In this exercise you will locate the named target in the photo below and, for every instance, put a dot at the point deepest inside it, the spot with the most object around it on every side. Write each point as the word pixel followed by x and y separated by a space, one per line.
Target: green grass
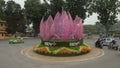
pixel 52 48
pixel 61 44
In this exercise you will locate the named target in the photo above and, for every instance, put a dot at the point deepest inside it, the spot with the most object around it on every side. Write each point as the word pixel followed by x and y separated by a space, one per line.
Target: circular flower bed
pixel 61 36
pixel 63 50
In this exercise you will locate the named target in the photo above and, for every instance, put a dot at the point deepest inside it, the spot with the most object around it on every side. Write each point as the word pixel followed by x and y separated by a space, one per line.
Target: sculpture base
pixel 63 50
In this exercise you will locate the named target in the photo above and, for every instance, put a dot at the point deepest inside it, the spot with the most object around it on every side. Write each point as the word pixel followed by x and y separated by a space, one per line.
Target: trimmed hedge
pixel 63 50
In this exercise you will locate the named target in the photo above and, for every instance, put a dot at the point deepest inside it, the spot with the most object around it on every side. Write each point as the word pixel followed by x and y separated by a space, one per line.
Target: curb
pixel 28 52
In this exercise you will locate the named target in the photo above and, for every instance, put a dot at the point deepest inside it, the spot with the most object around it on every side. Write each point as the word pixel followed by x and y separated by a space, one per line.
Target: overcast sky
pixel 91 20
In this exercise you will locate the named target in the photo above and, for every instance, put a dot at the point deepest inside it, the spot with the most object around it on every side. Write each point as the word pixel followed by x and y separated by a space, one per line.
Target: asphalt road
pixel 11 57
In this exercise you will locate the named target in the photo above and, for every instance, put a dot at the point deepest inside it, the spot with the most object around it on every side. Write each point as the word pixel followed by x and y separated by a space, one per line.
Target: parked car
pixel 16 40
pixel 107 41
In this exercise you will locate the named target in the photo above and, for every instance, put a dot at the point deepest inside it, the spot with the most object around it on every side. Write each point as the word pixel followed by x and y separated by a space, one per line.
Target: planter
pixel 61 49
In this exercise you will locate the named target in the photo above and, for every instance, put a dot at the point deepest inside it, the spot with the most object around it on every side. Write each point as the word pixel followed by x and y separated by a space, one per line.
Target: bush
pixel 62 51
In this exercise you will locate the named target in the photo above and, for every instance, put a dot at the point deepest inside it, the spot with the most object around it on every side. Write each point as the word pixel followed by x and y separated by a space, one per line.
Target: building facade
pixel 2 29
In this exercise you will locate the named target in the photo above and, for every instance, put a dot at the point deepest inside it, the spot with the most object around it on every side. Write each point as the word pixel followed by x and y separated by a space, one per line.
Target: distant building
pixel 2 29
pixel 29 31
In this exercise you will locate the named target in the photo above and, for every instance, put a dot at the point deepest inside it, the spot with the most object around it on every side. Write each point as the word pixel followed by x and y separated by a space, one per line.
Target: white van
pixel 107 41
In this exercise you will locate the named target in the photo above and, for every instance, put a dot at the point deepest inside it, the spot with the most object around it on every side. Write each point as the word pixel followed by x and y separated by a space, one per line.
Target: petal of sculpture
pixel 48 25
pixel 42 29
pixel 61 28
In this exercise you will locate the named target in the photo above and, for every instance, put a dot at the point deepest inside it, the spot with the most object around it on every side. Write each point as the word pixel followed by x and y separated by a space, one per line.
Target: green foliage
pixel 34 11
pixel 63 51
pixel 63 44
pixel 2 6
pixel 90 29
pixel 52 48
pixel 77 7
pixel 14 17
pixel 98 28
pixel 56 5
pixel 116 27
pixel 107 11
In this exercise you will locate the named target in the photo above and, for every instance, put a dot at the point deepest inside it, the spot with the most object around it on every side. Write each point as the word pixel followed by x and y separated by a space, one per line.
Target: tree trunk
pixel 107 28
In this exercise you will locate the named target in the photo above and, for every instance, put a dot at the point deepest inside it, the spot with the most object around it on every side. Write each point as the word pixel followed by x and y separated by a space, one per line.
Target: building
pixel 2 29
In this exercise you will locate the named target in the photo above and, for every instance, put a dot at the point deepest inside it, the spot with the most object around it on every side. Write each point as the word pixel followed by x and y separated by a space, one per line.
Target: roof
pixel 2 31
pixel 2 21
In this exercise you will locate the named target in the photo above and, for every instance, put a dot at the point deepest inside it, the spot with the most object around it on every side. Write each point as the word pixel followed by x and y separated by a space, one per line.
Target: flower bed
pixel 61 36
pixel 62 50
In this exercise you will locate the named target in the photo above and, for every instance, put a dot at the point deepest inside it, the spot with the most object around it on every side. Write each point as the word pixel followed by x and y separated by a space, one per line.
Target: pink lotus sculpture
pixel 63 27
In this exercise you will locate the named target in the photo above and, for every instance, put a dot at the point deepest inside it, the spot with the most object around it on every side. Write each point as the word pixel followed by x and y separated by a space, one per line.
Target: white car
pixel 107 41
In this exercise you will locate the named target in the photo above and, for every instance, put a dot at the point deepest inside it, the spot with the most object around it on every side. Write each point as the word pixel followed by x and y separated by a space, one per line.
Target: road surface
pixel 11 57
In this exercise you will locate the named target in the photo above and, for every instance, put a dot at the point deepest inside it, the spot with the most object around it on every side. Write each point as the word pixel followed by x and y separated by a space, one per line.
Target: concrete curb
pixel 94 54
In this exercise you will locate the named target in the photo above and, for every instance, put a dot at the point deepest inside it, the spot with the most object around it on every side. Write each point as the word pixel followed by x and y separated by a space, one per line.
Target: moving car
pixel 16 40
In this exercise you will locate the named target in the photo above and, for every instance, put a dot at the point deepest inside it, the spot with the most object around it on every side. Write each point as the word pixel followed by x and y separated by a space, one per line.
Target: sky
pixel 21 2
pixel 88 21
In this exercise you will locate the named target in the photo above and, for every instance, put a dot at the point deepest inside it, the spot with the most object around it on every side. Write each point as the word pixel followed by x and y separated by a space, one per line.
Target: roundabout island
pixel 61 36
pixel 93 54
pixel 62 40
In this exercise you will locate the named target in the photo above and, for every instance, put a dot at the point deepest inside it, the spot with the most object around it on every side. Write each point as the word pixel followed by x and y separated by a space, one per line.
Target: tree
pixel 34 11
pixel 2 6
pixel 56 6
pixel 14 17
pixel 116 26
pixel 107 11
pixel 77 7
pixel 98 28
pixel 89 29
